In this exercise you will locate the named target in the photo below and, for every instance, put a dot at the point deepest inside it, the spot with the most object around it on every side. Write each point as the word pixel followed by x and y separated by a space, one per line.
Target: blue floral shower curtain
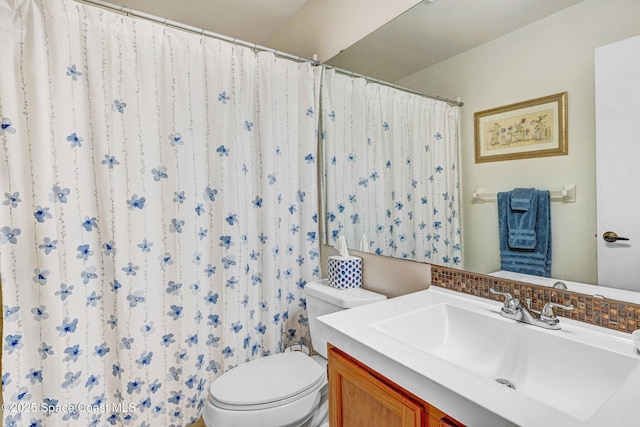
pixel 158 214
pixel 391 170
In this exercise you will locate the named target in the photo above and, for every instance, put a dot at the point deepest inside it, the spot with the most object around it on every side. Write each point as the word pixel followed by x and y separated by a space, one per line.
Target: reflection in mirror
pixel 549 51
pixel 390 170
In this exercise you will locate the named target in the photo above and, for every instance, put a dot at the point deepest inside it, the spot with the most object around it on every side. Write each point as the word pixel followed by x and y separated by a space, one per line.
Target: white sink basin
pixel 574 377
pixel 450 349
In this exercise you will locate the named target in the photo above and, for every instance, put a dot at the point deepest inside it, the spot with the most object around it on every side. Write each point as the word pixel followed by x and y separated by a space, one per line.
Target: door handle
pixel 611 237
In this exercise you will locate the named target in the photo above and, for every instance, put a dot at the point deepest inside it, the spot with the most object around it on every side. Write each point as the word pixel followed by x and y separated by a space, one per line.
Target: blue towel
pixel 521 218
pixel 537 261
pixel 522 239
pixel 521 199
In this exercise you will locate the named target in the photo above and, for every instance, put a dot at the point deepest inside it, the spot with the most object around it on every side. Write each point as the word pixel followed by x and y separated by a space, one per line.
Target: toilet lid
pixel 267 381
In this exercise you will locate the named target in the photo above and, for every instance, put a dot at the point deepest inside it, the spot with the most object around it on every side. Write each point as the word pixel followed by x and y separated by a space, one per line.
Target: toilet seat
pixel 267 382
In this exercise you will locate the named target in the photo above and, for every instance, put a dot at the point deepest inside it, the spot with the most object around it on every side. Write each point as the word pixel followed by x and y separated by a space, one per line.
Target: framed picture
pixel 534 128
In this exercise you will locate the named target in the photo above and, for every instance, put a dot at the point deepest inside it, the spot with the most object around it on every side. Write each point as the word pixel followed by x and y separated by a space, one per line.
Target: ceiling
pixel 254 21
pixel 426 34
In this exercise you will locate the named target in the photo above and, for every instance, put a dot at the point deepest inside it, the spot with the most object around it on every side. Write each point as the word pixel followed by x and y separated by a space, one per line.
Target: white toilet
pixel 287 389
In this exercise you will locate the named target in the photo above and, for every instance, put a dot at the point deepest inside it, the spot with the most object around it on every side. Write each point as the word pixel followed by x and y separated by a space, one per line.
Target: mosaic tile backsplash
pixel 618 315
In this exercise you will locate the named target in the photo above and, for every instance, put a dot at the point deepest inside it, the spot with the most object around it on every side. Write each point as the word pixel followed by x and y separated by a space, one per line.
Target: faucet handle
pixel 509 301
pixel 548 313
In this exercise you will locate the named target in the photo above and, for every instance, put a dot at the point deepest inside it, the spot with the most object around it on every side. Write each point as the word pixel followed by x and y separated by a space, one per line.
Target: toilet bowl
pixel 287 389
pixel 284 389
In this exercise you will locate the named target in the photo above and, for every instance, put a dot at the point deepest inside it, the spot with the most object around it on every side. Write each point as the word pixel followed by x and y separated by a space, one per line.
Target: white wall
pixel 549 56
pixel 389 276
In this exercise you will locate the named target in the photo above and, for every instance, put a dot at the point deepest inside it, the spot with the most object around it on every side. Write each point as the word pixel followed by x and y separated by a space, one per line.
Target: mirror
pixel 390 170
pixel 550 53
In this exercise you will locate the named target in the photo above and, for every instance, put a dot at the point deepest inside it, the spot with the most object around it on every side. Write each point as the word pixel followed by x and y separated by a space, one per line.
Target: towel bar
pixel 566 195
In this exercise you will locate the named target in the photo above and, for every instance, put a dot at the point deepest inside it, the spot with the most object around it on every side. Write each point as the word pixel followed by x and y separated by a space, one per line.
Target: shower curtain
pixel 158 215
pixel 391 170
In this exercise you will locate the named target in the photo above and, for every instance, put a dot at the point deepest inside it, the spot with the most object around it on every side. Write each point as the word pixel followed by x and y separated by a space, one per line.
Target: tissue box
pixel 345 272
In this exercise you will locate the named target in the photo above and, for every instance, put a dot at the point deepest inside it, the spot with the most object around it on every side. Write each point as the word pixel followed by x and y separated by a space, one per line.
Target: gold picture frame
pixel 534 128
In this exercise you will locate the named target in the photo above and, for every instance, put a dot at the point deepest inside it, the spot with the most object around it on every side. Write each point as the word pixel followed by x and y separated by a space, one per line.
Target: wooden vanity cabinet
pixel 361 397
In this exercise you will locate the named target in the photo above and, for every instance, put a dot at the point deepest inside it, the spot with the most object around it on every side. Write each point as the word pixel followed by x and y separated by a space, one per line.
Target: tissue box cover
pixel 344 272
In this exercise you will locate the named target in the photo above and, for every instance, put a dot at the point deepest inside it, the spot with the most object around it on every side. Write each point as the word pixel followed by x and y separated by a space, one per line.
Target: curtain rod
pixel 256 47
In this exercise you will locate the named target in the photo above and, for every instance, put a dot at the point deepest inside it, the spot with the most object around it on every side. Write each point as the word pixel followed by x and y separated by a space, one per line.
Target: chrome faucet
pixel 514 309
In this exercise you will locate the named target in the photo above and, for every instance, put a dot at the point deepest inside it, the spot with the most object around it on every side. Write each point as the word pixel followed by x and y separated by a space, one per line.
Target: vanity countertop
pixel 581 375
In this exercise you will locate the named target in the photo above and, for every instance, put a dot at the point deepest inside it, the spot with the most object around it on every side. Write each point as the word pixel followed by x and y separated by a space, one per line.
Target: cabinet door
pixel 357 398
pixel 437 418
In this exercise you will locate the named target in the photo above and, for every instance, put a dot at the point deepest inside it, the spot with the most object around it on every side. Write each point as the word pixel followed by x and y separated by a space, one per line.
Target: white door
pixel 617 77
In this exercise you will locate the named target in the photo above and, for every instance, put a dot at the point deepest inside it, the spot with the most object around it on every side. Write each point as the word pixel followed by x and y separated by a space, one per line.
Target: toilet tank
pixel 323 299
